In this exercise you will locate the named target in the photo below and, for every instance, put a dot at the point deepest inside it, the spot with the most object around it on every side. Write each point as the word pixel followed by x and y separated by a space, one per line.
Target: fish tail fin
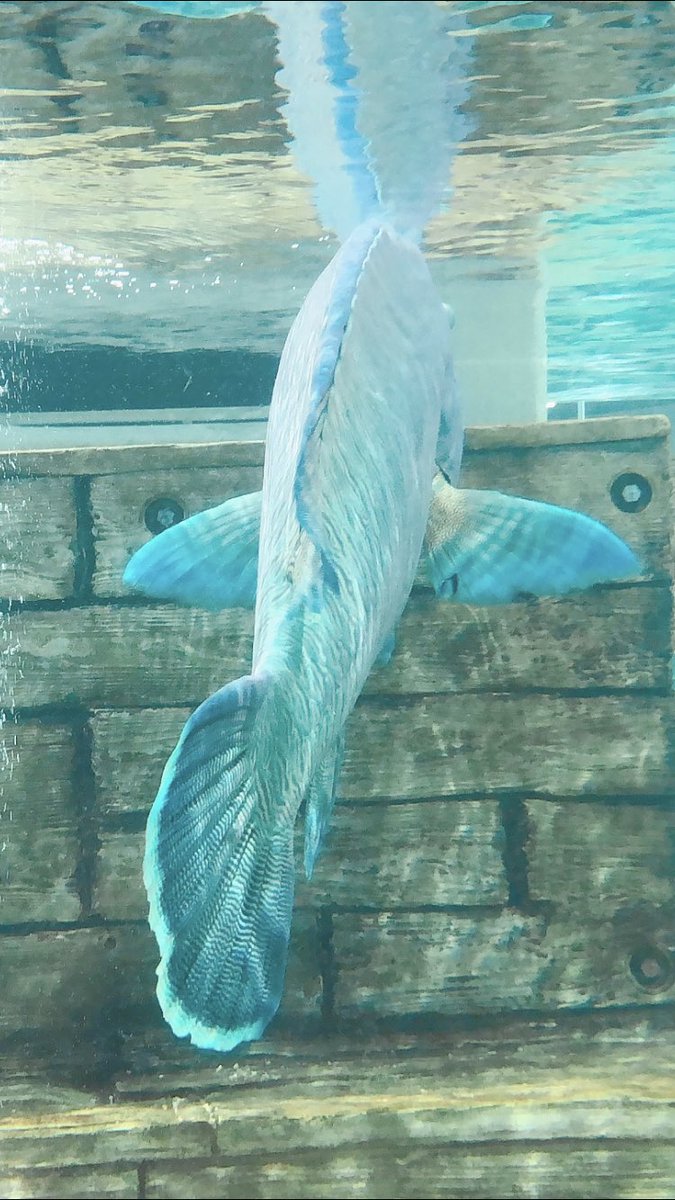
pixel 219 874
pixel 372 155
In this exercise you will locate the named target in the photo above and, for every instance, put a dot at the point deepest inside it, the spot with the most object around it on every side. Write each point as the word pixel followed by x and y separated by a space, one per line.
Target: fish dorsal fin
pixel 208 561
pixel 318 335
pixel 488 548
pixel 320 803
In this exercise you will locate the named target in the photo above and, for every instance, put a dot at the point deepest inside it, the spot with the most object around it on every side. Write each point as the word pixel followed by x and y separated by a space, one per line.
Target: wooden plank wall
pixel 504 838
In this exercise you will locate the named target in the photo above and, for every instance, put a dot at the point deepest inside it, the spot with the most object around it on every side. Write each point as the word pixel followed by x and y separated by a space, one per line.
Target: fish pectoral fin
pixel 488 548
pixel 219 874
pixel 207 561
pixel 320 801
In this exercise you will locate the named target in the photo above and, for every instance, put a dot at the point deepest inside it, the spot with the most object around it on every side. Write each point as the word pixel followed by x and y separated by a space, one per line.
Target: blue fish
pixel 363 453
pixel 351 484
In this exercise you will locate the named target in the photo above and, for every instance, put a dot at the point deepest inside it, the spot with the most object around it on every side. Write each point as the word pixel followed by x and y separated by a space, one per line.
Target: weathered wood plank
pixel 436 746
pixel 128 755
pixel 118 504
pixel 589 858
pixel 37 538
pixel 137 1137
pixel 72 980
pixel 119 893
pixel 111 460
pixel 504 1048
pixel 567 433
pixel 440 853
pixel 389 856
pixel 579 476
pixel 113 1182
pixel 618 638
pixel 38 824
pixel 100 656
pixel 539 1106
pixel 580 1170
pixel 567 466
pixel 108 460
pixel 483 743
pixel 399 964
pixel 77 981
pixel 28 1095
pixel 126 656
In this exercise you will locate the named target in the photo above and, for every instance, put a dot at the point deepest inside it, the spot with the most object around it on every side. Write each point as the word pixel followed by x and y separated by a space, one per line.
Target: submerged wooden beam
pixel 501 844
pixel 466 1116
pixel 103 656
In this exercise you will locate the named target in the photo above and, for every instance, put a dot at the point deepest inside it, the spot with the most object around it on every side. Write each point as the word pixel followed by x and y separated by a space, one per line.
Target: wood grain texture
pixel 483 743
pixel 506 1048
pixel 582 1170
pixel 37 538
pixel 400 964
pixel 64 1183
pixel 111 460
pixel 567 433
pixel 590 858
pixel 68 980
pixel 99 656
pixel 387 856
pixel 118 504
pixel 128 755
pixel 443 852
pixel 439 746
pixel 108 460
pixel 615 638
pixel 83 981
pixel 39 843
pixel 274 1122
pixel 126 656
pixel 475 1112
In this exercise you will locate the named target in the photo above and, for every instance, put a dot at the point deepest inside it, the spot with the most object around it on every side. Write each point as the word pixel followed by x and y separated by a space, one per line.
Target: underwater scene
pixel 337 726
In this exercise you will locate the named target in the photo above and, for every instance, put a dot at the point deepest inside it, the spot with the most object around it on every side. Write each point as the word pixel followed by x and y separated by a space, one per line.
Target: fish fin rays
pixel 208 561
pixel 488 548
pixel 320 802
pixel 219 877
pixel 313 479
pixel 323 573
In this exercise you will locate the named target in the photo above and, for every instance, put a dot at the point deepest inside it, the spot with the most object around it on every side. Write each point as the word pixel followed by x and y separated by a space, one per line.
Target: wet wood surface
pixel 118 504
pixel 38 529
pixel 100 656
pixel 39 824
pixel 502 843
pixel 478 1113
pixel 435 746
pixel 86 983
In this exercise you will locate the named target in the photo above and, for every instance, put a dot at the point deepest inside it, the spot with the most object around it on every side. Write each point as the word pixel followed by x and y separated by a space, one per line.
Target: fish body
pixel 363 453
pixel 349 469
pixel 354 433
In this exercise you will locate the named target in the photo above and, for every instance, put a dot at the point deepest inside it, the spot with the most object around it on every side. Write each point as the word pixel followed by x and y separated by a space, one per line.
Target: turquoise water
pixel 151 206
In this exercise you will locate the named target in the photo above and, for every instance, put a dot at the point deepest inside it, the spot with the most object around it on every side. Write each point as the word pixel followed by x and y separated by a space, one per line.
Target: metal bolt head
pixel 631 492
pixel 652 967
pixel 163 513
